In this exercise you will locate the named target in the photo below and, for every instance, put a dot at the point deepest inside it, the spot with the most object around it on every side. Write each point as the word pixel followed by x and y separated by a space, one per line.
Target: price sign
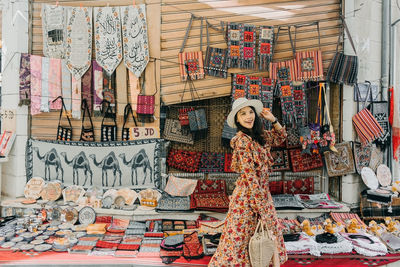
pixel 136 133
pixel 8 119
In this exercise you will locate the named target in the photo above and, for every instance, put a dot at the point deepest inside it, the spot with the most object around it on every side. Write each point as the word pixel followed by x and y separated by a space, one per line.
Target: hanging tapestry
pixel 341 162
pixel 239 86
pixel 267 97
pixel 265 47
pixel 76 98
pixel 235 43
pixel 135 40
pixel 281 160
pixel 109 89
pixel 133 164
pixel 300 103
pixel 380 111
pixel 87 88
pixel 248 56
pixel 44 101
pixel 108 40
pixel 173 131
pixel 303 161
pixel 212 162
pixel 25 79
pixel 55 83
pixel 253 87
pixel 309 65
pixel 215 63
pixel 66 84
pixel 53 27
pixel 395 122
pixel 79 40
pixel 36 83
pixel 184 160
pixel 97 87
pixel 287 102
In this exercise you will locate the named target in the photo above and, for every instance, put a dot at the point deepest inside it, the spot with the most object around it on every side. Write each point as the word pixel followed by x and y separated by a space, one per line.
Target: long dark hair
pixel 257 132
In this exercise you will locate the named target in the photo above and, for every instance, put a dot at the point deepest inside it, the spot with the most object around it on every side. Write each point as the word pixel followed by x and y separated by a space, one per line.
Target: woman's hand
pixel 266 114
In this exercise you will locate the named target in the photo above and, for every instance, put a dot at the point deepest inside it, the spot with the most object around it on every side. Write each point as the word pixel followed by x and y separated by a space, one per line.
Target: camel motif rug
pixel 133 164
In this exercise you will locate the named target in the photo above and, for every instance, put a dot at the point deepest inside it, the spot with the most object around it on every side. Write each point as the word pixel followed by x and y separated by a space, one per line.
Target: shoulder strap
pixel 305 25
pixel 63 108
pixel 143 83
pixel 188 30
pixel 348 35
pixel 85 108
pixel 127 110
pixel 290 39
pixel 108 113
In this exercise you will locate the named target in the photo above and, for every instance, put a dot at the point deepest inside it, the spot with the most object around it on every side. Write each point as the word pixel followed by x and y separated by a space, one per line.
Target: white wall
pixel 15 41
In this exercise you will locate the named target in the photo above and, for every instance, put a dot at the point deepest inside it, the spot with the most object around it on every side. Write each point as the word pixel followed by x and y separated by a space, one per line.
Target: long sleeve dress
pixel 250 198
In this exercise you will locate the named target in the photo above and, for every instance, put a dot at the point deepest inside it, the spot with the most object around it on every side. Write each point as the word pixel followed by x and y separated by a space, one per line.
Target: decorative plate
pixel 79 228
pixel 42 247
pixel 37 242
pixel 28 201
pixel 54 215
pixel 384 175
pixel 48 233
pixel 65 226
pixel 42 237
pixel 107 202
pixel 27 236
pixel 87 215
pixel 129 195
pixel 119 202
pixel 72 193
pixel 369 178
pixel 110 192
pixel 33 188
pixel 26 247
pixel 17 239
pixel 70 215
pixel 94 191
pixel 8 244
pixel 52 191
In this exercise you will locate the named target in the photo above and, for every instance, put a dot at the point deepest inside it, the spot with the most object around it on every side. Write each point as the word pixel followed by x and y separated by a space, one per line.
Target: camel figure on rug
pixel 139 160
pixel 50 158
pixel 80 161
pixel 109 162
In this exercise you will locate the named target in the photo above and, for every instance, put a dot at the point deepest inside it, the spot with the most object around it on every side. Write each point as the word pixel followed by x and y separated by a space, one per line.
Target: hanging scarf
pixel 235 42
pixel 109 89
pixel 300 103
pixel 134 90
pixel 136 45
pixel 108 42
pixel 253 87
pixel 53 25
pixel 248 56
pixel 44 103
pixel 265 47
pixel 25 79
pixel 287 102
pixel 66 86
pixel 395 121
pixel 97 88
pixel 55 83
pixel 122 85
pixel 239 86
pixel 79 40
pixel 76 98
pixel 87 88
pixel 36 84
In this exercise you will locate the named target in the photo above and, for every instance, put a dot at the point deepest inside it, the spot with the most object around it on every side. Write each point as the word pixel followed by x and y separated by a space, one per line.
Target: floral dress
pixel 250 198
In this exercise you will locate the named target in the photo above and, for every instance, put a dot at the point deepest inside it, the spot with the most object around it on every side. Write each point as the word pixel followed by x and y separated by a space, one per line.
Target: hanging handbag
pixel 227 134
pixel 183 116
pixel 173 131
pixel 284 70
pixel 366 126
pixel 87 134
pixel 343 68
pixel 341 162
pixel 191 63
pixel 108 131
pixel 198 122
pixel 380 111
pixel 215 63
pixel 146 103
pixel 125 130
pixel 262 246
pixel 63 132
pixel 327 135
pixel 362 155
pixel 309 62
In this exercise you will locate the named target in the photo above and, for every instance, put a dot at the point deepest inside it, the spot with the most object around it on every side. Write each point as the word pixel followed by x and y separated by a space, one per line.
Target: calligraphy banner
pixel 108 42
pixel 53 25
pixel 133 164
pixel 134 32
pixel 79 40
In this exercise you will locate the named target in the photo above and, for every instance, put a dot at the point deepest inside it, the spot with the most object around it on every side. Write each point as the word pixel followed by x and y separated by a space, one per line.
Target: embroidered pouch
pixel 146 103
pixel 341 162
pixel 180 187
pixel 276 187
pixel 197 120
pixel 184 160
pixel 210 186
pixel 281 160
pixel 218 202
pixel 173 241
pixel 214 227
pixel 211 162
pixel 304 162
pixel 63 132
pixel 215 63
pixel 192 247
pixel 183 116
pixel 174 131
pixel 299 186
pixel 87 134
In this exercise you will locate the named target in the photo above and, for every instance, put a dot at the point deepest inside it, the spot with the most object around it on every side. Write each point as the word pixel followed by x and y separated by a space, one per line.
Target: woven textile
pixel 304 162
pixel 197 120
pixel 285 70
pixel 286 202
pixel 395 121
pixel 183 116
pixel 212 162
pixel 97 88
pixel 108 40
pixel 53 27
pixel 267 92
pixel 210 186
pixel 235 44
pixel 309 65
pixel 368 129
pixel 380 111
pixel 87 88
pixel 265 47
pixel 281 160
pixel 173 131
pixel 76 95
pixel 276 187
pixel 344 217
pixel 25 79
pixel 299 186
pixel 210 195
pixel 248 52
pixel 228 161
pixel 239 86
pixel 44 101
pixel 135 39
pixel 173 203
pixel 215 63
pixel 229 178
pixel 78 52
pixel 36 83
pixel 180 186
pixel 362 156
pixel 300 103
pixel 192 247
pixel 254 87
pixel 191 65
pixel 227 134
pixel 314 221
pixel 340 162
pixel 287 102
pixel 55 83
pixel 184 160
pixel 343 69
pixel 109 89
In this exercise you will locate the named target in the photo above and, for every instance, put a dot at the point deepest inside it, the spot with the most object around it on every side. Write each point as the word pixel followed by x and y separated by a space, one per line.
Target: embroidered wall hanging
pixel 108 40
pixel 287 102
pixel 78 52
pixel 184 160
pixel 133 164
pixel 300 103
pixel 173 131
pixel 304 162
pixel 254 87
pixel 299 186
pixel 53 27
pixel 211 162
pixel 235 43
pixel 55 83
pixel 25 79
pixel 281 160
pixel 340 163
pixel 135 40
pixel 36 83
pixel 248 54
pixel 265 47
pixel 97 88
pixel 239 86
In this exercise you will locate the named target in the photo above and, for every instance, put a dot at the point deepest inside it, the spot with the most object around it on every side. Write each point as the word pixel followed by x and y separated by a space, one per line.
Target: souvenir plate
pixel 79 228
pixel 26 247
pixel 72 193
pixel 70 215
pixel 42 247
pixel 17 239
pixel 28 201
pixel 37 242
pixel 80 234
pixel 87 215
pixel 8 244
pixel 107 202
pixel 110 192
pixel 94 191
pixel 129 195
pixel 54 215
pixel 65 226
pixel 33 188
pixel 384 175
pixel 27 236
pixel 119 202
pixel 52 191
pixel 369 178
pixel 42 237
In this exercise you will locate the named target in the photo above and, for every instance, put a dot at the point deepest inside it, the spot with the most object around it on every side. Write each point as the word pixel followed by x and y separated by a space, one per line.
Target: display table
pixel 310 213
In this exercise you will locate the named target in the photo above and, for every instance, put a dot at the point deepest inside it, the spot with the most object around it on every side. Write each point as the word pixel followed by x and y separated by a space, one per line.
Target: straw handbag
pixel 262 247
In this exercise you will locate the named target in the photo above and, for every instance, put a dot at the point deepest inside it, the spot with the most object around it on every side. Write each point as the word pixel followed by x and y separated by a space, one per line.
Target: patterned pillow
pixel 303 161
pixel 276 187
pixel 281 160
pixel 184 160
pixel 299 186
pixel 212 162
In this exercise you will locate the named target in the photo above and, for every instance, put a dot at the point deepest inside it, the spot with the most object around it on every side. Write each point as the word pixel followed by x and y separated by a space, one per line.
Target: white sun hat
pixel 241 103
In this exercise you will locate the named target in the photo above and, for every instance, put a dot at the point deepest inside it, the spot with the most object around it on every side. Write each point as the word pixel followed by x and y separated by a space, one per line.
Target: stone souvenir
pixel 42 247
pixel 52 191
pixel 33 188
pixel 72 193
pixel 70 215
pixel 87 215
pixel 129 195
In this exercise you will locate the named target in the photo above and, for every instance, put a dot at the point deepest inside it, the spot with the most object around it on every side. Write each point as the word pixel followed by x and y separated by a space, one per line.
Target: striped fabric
pixel 284 70
pixel 342 217
pixel 191 64
pixel 309 65
pixel 368 129
pixel 343 69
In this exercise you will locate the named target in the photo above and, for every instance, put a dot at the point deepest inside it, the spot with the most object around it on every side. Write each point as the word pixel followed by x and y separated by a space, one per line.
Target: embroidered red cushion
pixel 303 161
pixel 228 161
pixel 276 187
pixel 299 186
pixel 184 160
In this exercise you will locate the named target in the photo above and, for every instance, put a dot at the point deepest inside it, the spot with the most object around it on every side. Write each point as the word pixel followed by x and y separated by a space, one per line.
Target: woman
pixel 251 198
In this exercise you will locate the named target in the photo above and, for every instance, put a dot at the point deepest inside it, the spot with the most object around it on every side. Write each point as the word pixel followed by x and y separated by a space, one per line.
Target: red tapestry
pixel 303 161
pixel 276 187
pixel 228 161
pixel 299 186
pixel 184 160
pixel 281 160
